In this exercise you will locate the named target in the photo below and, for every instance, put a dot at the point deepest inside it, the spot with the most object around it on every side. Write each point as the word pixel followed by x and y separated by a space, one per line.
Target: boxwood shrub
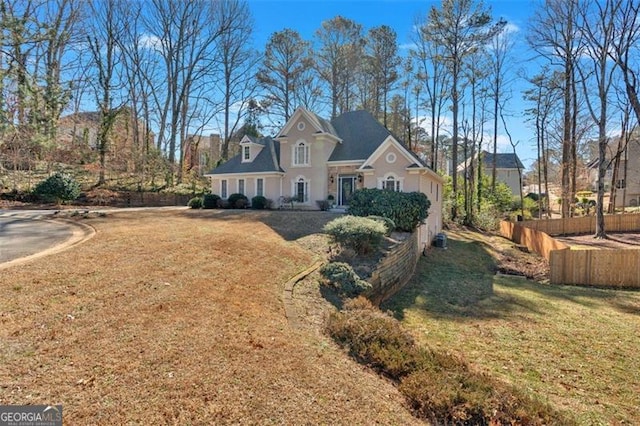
pixel 342 276
pixel 210 201
pixel 359 233
pixel 259 202
pixel 195 203
pixel 238 201
pixel 406 209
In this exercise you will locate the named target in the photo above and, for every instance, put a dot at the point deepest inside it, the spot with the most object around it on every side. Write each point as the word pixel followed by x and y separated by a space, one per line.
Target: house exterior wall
pixel 508 176
pixel 631 189
pixel 316 172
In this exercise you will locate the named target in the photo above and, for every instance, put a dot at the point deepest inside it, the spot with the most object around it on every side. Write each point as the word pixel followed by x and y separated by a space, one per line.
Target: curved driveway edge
pixel 81 232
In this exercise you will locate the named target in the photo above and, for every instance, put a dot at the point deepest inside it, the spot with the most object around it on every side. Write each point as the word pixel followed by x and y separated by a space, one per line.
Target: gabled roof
pixel 503 160
pixel 266 160
pixel 361 135
pixel 321 125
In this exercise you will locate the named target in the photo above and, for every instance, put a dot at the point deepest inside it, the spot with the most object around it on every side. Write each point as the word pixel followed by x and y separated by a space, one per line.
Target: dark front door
pixel 347 184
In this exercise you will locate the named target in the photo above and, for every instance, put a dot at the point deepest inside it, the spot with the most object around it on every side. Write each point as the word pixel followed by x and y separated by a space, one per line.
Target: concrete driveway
pixel 25 235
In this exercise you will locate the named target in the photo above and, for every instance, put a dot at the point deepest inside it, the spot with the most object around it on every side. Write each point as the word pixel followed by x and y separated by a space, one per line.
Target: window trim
pixel 244 186
pixel 260 191
pixel 224 188
pixel 301 144
pixel 391 177
pixel 246 153
pixel 295 186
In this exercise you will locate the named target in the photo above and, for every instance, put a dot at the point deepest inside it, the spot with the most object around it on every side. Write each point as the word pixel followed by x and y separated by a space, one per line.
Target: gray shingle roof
pixel 360 132
pixel 264 162
pixel 361 135
pixel 503 160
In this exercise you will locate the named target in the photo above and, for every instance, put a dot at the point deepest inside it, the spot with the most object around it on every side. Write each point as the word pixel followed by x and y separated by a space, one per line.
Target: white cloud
pixel 148 41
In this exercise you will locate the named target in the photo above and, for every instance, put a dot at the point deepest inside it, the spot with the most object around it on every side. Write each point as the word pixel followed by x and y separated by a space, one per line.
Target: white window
pixel 391 183
pixel 241 186
pixel 301 189
pixel 223 188
pixel 301 154
pixel 260 186
pixel 246 153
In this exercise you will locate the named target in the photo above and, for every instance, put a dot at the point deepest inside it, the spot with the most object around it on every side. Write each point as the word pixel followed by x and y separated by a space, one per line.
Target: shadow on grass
pixel 459 283
pixel 291 225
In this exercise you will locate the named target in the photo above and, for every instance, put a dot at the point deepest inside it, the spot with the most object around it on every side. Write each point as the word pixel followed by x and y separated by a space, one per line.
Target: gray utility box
pixel 441 241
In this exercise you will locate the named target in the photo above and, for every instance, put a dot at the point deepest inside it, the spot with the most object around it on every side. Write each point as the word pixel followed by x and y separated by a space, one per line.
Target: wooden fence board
pixel 610 268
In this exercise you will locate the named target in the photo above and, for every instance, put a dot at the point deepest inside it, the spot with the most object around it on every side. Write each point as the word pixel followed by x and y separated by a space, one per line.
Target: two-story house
pixel 508 168
pixel 313 159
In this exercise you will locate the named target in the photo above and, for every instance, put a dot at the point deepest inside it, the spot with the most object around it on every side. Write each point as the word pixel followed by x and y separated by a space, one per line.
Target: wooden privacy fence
pixel 585 224
pixel 612 268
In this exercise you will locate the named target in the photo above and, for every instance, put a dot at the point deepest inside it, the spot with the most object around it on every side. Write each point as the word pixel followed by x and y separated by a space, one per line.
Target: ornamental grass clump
pixel 358 233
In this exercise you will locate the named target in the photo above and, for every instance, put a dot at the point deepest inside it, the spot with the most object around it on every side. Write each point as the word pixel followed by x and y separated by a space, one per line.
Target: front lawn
pixel 577 348
pixel 178 318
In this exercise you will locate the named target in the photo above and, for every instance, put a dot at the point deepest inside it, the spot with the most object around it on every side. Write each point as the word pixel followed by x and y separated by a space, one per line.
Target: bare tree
pixel 102 41
pixel 554 34
pixel 431 71
pixel 599 33
pixel 462 27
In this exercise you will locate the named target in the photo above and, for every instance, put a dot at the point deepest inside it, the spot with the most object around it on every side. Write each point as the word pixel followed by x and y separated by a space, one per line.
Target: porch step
pixel 341 210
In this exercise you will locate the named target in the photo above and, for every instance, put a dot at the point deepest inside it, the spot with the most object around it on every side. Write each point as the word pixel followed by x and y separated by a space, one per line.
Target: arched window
pixel 391 183
pixel 301 154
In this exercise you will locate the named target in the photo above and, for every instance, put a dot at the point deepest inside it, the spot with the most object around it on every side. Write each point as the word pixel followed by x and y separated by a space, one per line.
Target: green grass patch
pixel 576 348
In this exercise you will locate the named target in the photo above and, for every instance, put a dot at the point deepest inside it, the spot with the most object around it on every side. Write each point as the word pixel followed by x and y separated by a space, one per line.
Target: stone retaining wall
pixel 395 270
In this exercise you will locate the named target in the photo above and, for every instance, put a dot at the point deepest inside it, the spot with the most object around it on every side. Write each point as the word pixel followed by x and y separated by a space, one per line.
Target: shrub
pixel 259 202
pixel 389 224
pixel 238 201
pixel 342 276
pixel 210 201
pixel 439 386
pixel 406 209
pixel 358 233
pixel 58 187
pixel 323 205
pixel 195 203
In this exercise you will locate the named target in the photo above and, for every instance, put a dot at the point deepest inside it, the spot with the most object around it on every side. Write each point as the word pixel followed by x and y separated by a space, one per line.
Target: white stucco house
pixel 313 159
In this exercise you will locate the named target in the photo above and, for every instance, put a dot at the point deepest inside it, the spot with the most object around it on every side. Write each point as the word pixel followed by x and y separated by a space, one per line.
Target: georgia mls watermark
pixel 30 415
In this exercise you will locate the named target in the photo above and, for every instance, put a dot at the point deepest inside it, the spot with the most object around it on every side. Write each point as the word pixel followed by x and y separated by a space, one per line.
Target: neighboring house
pixel 202 152
pixel 628 178
pixel 508 168
pixel 313 159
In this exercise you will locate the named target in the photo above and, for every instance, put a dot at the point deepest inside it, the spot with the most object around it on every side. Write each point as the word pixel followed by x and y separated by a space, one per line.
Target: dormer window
pixel 246 153
pixel 301 154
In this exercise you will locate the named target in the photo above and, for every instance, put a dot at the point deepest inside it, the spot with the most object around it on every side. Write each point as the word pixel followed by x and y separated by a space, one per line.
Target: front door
pixel 346 186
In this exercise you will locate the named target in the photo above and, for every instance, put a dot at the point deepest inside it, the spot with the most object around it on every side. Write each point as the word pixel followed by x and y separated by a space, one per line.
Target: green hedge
pixel 406 209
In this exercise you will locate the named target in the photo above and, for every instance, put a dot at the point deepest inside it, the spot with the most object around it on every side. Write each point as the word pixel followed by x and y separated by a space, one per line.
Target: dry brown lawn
pixel 177 318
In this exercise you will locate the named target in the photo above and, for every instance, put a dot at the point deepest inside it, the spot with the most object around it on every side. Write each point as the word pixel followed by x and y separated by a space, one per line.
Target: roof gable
pixel 320 125
pixel 267 160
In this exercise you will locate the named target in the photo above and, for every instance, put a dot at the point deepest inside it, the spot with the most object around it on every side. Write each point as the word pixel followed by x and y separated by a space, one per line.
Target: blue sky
pixel 305 16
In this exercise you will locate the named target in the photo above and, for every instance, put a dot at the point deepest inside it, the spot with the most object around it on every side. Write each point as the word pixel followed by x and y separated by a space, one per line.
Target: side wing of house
pixel 393 167
pixel 255 171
